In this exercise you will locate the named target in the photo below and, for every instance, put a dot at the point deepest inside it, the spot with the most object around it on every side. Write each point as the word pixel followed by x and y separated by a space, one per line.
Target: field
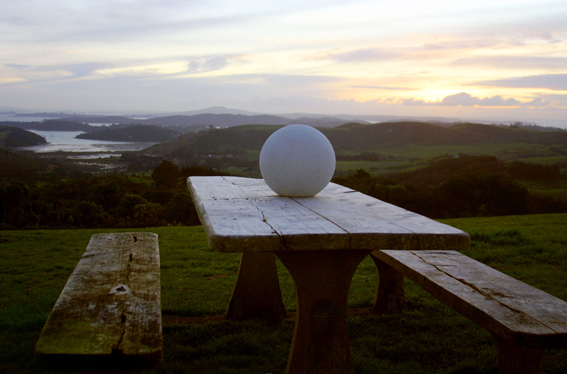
pixel 196 285
pixel 410 156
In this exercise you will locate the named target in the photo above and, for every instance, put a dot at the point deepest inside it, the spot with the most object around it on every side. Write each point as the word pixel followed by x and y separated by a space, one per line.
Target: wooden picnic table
pixel 321 240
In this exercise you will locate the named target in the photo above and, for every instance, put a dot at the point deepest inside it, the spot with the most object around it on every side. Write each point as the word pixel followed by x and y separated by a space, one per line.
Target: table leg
pixel 390 295
pixel 322 280
pixel 257 290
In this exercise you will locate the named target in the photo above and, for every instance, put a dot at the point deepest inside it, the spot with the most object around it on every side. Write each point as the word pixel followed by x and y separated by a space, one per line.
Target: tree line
pixel 102 201
pixel 464 186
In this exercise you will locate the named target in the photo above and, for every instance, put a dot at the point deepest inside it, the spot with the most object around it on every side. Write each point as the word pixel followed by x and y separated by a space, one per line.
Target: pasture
pixel 196 285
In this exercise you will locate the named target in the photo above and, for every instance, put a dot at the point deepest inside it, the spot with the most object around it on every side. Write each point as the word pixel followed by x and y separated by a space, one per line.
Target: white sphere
pixel 297 161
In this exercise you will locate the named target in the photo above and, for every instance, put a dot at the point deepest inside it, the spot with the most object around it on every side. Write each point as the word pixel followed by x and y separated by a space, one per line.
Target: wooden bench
pixel 108 316
pixel 523 320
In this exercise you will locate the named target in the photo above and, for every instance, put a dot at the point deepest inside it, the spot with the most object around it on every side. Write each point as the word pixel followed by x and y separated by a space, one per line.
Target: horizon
pixel 9 112
pixel 498 60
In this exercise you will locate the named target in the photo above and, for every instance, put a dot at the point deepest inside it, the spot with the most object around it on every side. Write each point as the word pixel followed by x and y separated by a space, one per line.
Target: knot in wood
pixel 121 289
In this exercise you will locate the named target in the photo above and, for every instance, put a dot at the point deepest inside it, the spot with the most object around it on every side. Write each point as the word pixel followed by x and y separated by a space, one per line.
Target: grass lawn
pixel 196 283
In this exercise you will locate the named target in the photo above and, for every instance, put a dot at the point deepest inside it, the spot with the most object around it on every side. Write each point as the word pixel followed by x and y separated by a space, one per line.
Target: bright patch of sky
pixel 484 59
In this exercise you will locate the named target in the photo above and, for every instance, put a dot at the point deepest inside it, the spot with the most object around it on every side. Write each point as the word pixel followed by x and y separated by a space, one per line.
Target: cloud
pixel 17 66
pixel 203 65
pixel 295 82
pixel 383 88
pixel 549 81
pixel 465 99
pixel 48 73
pixel 84 69
pixel 514 62
pixel 359 55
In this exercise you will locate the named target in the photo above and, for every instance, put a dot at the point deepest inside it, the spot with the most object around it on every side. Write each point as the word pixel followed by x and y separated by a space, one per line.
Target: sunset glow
pixel 483 59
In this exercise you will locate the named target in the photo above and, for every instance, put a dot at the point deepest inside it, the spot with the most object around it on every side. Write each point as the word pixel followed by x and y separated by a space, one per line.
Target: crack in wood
pixel 487 295
pixel 123 316
pixel 328 220
pixel 117 349
pixel 281 237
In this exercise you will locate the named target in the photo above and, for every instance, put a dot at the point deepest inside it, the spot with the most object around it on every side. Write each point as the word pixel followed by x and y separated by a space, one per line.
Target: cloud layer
pixel 497 58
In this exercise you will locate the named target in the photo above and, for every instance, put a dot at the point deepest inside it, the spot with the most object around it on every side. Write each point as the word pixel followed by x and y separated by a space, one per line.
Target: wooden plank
pixel 108 316
pixel 508 308
pixel 244 214
pixel 240 214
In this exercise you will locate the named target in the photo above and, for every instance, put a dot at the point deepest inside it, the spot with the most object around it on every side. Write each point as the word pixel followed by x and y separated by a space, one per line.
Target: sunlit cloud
pixel 204 65
pixel 364 55
pixel 383 88
pixel 466 99
pixel 515 62
pixel 548 81
pixel 435 58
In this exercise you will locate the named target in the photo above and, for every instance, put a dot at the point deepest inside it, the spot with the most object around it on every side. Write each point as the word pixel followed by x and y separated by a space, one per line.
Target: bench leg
pixel 513 359
pixel 390 295
pixel 322 281
pixel 257 290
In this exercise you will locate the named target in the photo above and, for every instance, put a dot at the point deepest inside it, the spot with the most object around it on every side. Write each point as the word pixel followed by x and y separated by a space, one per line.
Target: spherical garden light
pixel 297 161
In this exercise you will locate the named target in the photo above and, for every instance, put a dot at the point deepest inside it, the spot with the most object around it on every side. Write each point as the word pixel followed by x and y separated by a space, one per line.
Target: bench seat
pixel 108 316
pixel 522 319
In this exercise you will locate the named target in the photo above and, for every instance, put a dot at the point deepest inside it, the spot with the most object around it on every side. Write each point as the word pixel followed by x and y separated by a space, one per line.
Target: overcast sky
pixel 470 59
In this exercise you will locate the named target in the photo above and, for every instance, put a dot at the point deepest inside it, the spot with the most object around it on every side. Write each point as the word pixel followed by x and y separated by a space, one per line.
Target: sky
pixel 484 59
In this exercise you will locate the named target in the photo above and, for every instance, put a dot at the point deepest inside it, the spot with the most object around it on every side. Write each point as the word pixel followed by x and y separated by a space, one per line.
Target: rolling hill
pixel 16 137
pixel 360 137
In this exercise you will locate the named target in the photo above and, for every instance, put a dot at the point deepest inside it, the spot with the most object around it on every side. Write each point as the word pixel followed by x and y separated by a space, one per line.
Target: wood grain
pixel 244 214
pixel 108 316
pixel 320 340
pixel 257 292
pixel 510 309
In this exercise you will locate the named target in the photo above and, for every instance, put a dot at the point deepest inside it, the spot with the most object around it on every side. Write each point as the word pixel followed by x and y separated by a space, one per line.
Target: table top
pixel 245 215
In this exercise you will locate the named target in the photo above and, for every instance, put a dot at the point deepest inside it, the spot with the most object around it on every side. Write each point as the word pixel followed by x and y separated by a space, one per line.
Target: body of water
pixel 65 141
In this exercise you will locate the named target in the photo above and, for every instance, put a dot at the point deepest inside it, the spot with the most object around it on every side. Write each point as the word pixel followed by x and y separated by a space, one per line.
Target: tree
pixel 12 194
pixel 166 174
pixel 127 206
pixel 180 209
pixel 482 195
pixel 88 214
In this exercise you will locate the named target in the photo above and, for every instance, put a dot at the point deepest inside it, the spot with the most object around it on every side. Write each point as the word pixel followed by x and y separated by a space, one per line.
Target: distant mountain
pixel 136 133
pixel 100 119
pixel 42 115
pixel 16 137
pixel 218 110
pixel 218 120
pixel 202 120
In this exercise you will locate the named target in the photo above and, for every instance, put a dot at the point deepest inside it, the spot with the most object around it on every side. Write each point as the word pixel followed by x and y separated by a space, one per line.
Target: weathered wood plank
pixel 244 214
pixel 108 316
pixel 240 214
pixel 509 309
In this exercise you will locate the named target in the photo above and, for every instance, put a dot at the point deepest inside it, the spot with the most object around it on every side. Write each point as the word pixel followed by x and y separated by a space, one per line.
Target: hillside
pixel 203 120
pixel 19 167
pixel 360 137
pixel 135 133
pixel 16 137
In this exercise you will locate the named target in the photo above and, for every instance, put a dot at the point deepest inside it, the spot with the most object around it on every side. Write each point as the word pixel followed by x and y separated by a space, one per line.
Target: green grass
pixel 525 152
pixel 426 338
